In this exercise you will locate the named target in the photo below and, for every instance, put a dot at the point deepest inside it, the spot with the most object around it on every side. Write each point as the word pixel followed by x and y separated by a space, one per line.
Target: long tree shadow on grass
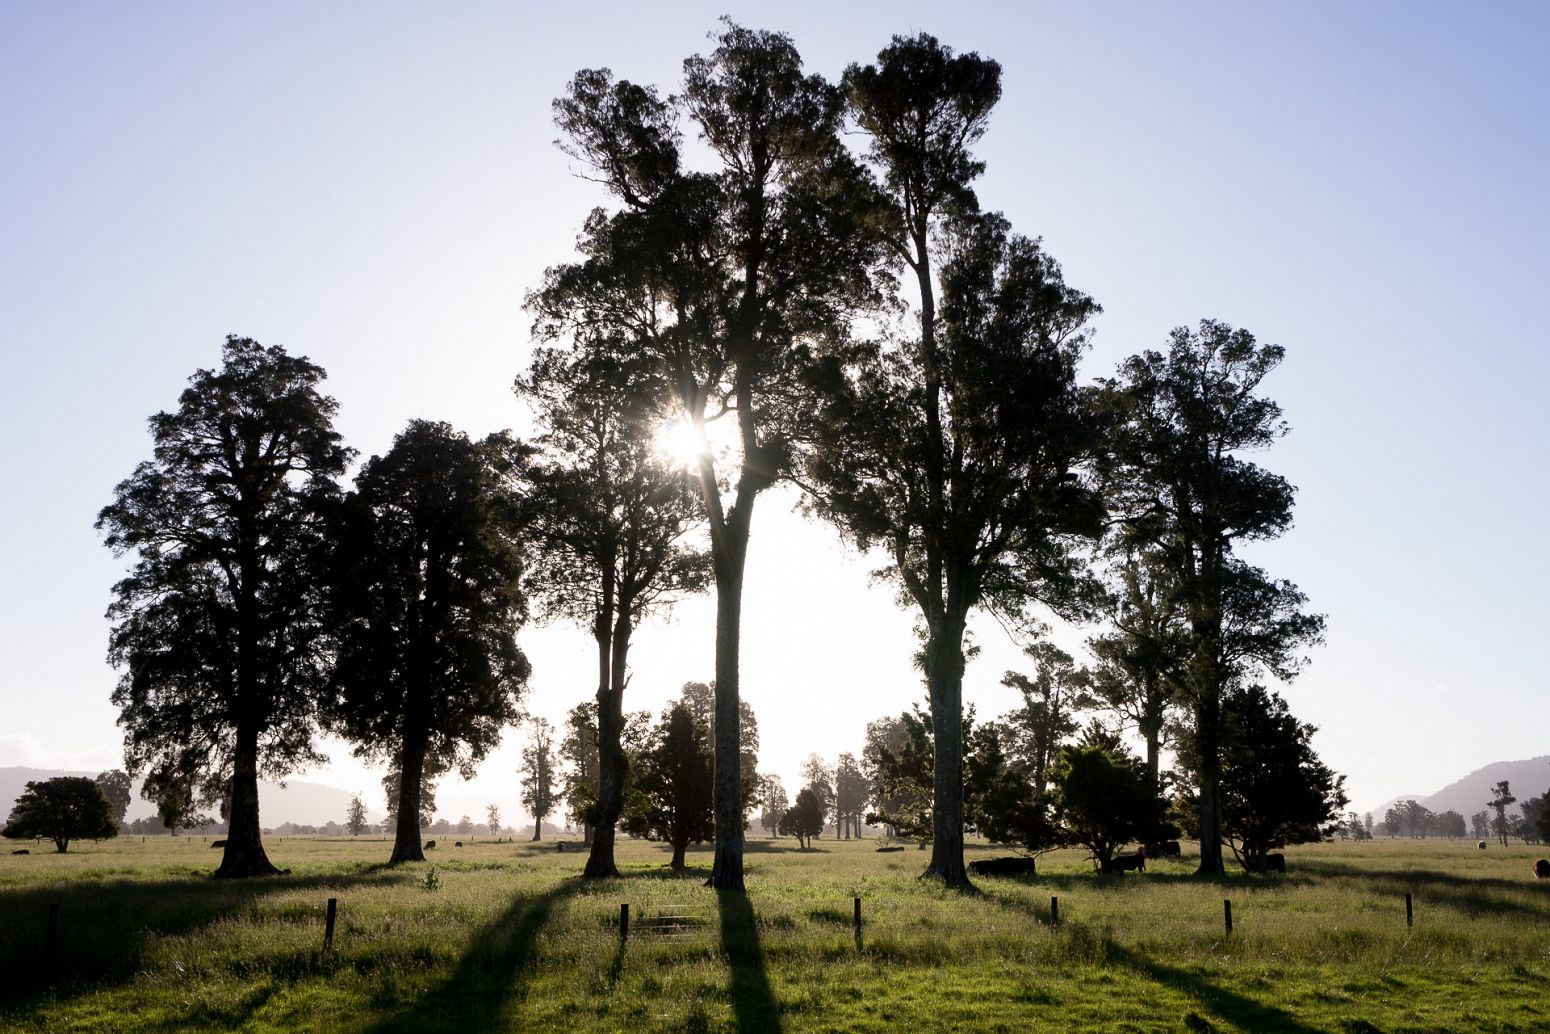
pixel 105 924
pixel 1483 894
pixel 490 976
pixel 753 1001
pixel 1243 1012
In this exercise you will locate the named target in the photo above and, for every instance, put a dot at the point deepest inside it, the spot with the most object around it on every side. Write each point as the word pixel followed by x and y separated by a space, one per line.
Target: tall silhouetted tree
pixel 425 608
pixel 610 515
pixel 62 809
pixel 537 771
pixel 959 453
pixel 675 785
pixel 724 277
pixel 218 626
pixel 1182 424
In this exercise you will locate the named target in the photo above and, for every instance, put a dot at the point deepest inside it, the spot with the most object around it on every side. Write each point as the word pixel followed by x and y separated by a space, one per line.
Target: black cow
pixel 1127 863
pixel 457 843
pixel 22 851
pixel 217 843
pixel 1165 849
pixel 430 845
pixel 1011 865
pixel 885 850
pixel 1542 868
pixel 1481 845
pixel 1273 863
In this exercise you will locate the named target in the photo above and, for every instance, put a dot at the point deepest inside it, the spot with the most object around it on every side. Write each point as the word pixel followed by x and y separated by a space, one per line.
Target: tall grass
pixel 508 938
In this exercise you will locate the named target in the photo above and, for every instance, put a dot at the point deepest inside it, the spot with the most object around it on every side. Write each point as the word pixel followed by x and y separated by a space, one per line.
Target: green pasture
pixel 505 937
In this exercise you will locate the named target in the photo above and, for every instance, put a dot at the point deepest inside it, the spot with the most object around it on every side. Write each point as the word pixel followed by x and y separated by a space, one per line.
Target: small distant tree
pixel 537 771
pixel 62 809
pixel 1448 824
pixel 492 819
pixel 773 803
pixel 819 778
pixel 579 750
pixel 901 761
pixel 1103 800
pixel 1544 819
pixel 115 787
pixel 465 825
pixel 804 820
pixel 1480 825
pixel 1501 796
pixel 673 802
pixel 355 821
pixel 850 794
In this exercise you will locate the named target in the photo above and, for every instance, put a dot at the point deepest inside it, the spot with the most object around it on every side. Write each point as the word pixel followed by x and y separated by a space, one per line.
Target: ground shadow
pixel 490 976
pixel 753 1001
pixel 1468 894
pixel 1243 1012
pixel 105 924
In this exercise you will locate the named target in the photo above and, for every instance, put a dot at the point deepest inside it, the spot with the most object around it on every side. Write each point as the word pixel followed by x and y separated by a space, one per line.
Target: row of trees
pixel 941 423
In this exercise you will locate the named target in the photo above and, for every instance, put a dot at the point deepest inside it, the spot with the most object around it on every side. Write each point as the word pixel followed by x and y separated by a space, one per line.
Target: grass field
pixel 504 937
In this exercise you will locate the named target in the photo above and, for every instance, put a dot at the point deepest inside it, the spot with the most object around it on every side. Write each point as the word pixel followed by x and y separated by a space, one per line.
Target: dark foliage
pixel 62 809
pixel 218 627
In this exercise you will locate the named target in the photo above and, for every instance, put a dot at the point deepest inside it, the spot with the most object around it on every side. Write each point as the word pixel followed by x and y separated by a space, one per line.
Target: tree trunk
pixel 613 651
pixel 944 677
pixel 244 853
pixel 1208 720
pixel 538 827
pixel 411 778
pixel 727 868
pixel 679 847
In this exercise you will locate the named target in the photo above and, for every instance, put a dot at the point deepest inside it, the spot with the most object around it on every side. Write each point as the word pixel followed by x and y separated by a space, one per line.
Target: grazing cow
pixel 1481 845
pixel 457 843
pixel 1127 863
pixel 22 851
pixel 430 845
pixel 1164 849
pixel 1273 863
pixel 1011 865
pixel 886 850
pixel 559 845
pixel 217 843
pixel 1542 868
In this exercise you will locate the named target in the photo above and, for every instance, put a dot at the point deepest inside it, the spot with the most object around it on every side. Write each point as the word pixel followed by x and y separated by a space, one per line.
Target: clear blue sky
pixel 374 185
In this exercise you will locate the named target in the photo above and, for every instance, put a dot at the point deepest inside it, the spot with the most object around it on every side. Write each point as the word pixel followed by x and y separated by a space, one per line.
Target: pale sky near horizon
pixel 375 186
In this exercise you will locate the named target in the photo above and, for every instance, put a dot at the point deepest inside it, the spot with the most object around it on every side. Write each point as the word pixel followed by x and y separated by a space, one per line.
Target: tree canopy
pixel 62 809
pixel 218 627
pixel 426 601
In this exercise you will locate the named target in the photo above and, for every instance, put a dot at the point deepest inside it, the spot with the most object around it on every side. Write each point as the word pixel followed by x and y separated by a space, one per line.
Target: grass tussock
pixel 507 937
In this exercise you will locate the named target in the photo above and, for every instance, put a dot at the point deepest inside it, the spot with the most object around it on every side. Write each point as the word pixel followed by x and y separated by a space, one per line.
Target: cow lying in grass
pixel 1542 868
pixel 1269 863
pixel 1008 866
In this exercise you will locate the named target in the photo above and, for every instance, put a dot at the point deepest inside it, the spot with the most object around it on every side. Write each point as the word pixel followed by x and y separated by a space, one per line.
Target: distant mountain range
pixel 1527 778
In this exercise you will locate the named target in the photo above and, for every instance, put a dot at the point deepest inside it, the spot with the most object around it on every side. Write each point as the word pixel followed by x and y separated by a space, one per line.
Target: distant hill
pixel 1527 778
pixel 310 804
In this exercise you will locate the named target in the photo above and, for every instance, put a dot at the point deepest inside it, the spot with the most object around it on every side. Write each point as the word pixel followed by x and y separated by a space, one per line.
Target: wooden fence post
pixel 624 921
pixel 1227 915
pixel 1409 912
pixel 328 924
pixel 1054 911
